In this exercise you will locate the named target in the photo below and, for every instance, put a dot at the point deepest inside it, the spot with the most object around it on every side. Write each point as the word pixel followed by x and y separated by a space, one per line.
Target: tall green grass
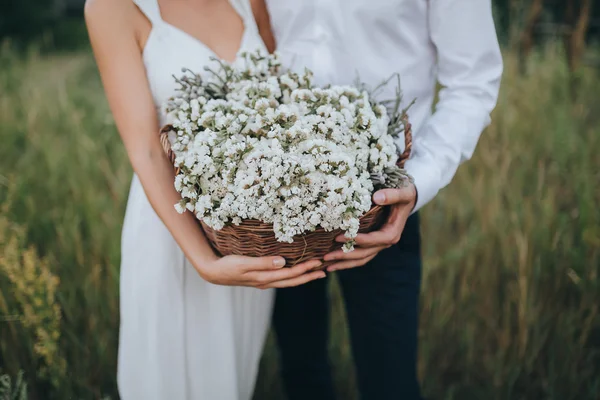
pixel 509 307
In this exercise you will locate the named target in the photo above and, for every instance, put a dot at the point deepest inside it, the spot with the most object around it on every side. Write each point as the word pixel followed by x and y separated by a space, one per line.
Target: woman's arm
pixel 111 26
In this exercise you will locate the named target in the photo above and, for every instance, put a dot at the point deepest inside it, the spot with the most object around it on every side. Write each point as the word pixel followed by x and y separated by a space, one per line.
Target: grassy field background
pixel 509 306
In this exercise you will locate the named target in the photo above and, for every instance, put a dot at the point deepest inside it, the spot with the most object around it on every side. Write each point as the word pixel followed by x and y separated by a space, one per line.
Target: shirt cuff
pixel 426 180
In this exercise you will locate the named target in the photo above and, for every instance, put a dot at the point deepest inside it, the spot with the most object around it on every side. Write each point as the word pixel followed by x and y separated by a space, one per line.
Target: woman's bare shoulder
pixel 110 14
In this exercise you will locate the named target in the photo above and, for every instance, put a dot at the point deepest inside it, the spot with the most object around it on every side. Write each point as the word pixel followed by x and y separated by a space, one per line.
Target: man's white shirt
pixel 452 42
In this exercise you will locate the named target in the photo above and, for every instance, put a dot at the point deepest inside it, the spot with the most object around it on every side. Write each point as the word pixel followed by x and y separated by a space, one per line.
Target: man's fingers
pixel 372 243
pixel 387 235
pixel 386 197
pixel 356 254
pixel 349 264
pixel 373 238
pixel 377 238
pixel 299 280
pixel 393 224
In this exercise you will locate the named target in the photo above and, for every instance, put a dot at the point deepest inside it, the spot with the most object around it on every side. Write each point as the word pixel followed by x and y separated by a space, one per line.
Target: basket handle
pixel 166 145
pixel 407 142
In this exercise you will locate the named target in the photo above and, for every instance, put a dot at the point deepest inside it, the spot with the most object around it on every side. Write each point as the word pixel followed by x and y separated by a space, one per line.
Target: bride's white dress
pixel 182 338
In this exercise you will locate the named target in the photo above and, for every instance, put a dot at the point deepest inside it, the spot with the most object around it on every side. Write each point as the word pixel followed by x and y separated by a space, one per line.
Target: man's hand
pixel 401 202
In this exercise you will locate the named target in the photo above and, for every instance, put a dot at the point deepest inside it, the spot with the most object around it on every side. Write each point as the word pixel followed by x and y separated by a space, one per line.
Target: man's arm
pixel 469 69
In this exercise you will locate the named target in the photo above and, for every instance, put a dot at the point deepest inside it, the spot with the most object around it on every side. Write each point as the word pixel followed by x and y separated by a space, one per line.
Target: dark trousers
pixel 381 301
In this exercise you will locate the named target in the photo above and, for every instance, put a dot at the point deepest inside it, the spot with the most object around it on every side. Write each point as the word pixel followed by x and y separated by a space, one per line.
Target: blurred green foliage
pixel 510 14
pixel 26 18
pixel 49 24
pixel 511 299
pixel 510 306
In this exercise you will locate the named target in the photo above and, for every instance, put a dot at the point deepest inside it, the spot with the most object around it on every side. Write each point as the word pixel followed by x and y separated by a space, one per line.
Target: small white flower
pixel 180 208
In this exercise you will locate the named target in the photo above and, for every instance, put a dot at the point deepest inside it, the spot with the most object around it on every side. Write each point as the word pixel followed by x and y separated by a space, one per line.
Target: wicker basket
pixel 257 239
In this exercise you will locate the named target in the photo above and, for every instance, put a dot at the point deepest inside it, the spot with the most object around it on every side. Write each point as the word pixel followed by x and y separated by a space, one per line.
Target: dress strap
pixel 244 9
pixel 150 9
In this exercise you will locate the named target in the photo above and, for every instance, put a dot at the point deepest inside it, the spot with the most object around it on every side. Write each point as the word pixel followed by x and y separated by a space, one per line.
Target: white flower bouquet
pixel 267 161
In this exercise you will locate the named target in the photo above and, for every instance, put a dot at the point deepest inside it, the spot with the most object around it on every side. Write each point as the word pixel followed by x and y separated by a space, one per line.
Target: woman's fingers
pixel 261 263
pixel 299 280
pixel 262 278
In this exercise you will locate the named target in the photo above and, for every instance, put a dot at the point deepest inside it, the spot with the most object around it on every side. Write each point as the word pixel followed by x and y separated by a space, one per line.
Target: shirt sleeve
pixel 469 68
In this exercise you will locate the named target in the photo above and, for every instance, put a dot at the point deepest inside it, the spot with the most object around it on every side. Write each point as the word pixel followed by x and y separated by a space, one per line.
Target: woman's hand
pixel 258 272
